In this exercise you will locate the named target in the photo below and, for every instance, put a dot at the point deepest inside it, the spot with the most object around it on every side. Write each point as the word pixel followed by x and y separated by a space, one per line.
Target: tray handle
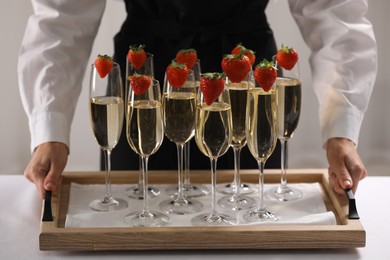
pixel 352 214
pixel 47 212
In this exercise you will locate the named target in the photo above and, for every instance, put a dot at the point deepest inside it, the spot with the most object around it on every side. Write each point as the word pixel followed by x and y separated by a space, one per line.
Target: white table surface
pixel 20 215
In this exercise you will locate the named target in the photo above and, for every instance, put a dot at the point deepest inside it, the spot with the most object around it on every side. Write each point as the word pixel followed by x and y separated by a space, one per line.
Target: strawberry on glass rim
pixel 212 85
pixel 139 83
pixel 286 57
pixel 247 52
pixel 265 74
pixel 137 55
pixel 187 57
pixel 236 67
pixel 177 74
pixel 103 65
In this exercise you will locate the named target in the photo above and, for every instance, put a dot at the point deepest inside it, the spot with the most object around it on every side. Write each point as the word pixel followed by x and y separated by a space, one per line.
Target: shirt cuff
pixel 49 127
pixel 341 122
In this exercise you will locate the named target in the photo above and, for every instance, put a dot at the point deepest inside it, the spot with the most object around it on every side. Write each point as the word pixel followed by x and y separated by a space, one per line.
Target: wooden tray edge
pixel 348 235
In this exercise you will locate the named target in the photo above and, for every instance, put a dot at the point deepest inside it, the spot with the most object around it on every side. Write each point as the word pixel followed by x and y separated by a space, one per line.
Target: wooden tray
pixel 348 233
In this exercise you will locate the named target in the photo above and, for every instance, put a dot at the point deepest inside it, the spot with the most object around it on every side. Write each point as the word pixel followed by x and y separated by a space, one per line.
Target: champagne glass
pixel 236 187
pixel 145 133
pixel 136 191
pixel 179 126
pixel 213 135
pixel 190 190
pixel 106 113
pixel 238 98
pixel 261 136
pixel 289 108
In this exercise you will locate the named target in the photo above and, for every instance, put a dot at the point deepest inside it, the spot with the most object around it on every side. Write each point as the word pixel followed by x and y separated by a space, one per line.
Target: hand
pixel 46 166
pixel 346 168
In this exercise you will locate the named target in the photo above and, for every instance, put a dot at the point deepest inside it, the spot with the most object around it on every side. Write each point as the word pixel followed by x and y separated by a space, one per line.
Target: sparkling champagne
pixel 213 129
pixel 179 116
pixel 144 126
pixel 289 106
pixel 238 98
pixel 107 119
pixel 261 123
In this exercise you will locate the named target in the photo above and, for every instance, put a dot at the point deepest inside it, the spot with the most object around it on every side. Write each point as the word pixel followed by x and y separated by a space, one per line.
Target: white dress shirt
pixel 343 61
pixel 60 34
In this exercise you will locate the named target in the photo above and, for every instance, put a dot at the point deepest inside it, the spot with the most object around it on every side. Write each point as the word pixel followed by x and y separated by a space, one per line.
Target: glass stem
pixel 140 175
pixel 283 162
pixel 180 148
pixel 187 181
pixel 107 162
pixel 145 183
pixel 213 163
pixel 236 181
pixel 261 206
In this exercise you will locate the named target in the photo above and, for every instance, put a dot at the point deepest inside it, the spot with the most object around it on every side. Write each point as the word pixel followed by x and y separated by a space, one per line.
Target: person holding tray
pixel 60 34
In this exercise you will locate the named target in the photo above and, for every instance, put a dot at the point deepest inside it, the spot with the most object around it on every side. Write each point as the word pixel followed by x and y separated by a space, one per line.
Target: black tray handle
pixel 47 212
pixel 352 214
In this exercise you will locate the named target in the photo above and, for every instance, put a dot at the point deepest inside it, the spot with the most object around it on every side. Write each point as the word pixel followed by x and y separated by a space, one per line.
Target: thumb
pixel 53 178
pixel 346 183
pixel 343 177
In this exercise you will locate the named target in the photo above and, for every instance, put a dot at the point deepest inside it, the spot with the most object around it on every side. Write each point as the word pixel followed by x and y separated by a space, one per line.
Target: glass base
pixel 146 219
pixel 228 188
pixel 137 192
pixel 190 190
pixel 181 206
pixel 108 204
pixel 284 194
pixel 237 203
pixel 214 219
pixel 259 215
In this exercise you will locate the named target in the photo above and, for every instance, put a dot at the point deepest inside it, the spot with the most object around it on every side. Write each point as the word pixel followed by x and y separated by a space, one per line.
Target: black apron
pixel 213 28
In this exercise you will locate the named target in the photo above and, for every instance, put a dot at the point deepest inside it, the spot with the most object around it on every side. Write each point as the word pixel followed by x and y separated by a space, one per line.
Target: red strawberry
pixel 139 83
pixel 137 55
pixel 187 57
pixel 212 85
pixel 236 67
pixel 177 74
pixel 247 52
pixel 265 74
pixel 286 57
pixel 103 65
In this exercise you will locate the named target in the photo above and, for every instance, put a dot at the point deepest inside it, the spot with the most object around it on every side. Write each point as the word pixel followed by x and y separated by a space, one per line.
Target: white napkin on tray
pixel 310 209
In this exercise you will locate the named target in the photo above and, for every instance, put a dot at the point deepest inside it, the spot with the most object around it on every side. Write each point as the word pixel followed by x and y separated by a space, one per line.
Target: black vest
pixel 211 27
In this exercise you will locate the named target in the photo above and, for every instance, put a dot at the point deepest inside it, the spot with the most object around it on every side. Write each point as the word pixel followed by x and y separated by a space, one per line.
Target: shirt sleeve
pixel 343 61
pixel 52 61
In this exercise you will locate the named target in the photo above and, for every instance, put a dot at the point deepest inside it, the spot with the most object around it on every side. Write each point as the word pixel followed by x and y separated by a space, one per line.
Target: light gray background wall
pixel 305 148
